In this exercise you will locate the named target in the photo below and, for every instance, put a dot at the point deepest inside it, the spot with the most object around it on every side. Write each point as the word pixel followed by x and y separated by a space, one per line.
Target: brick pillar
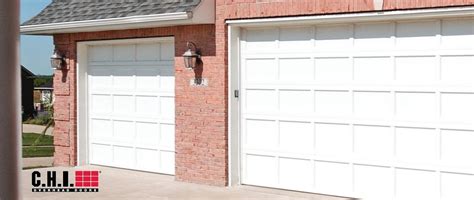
pixel 64 105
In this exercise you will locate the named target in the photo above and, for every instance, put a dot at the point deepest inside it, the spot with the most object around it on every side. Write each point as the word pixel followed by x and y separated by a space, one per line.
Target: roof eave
pixel 142 21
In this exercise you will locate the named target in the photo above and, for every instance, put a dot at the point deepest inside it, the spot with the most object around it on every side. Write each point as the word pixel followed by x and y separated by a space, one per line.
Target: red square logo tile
pixel 78 184
pixel 95 184
pixel 95 173
pixel 87 184
pixel 87 178
pixel 78 173
pixel 78 178
pixel 94 178
pixel 87 173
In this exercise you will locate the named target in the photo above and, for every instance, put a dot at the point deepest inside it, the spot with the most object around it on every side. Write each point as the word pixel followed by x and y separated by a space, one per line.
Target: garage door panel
pixel 167 51
pixel 421 33
pixel 373 104
pixel 124 52
pixel 295 70
pixel 333 103
pixel 123 79
pixel 148 52
pixel 147 79
pixel 374 182
pixel 296 38
pixel 457 33
pixel 296 101
pixel 371 69
pixel 101 104
pixel 458 69
pixel 416 144
pixel 167 135
pixel 333 69
pixel 261 134
pixel 296 137
pixel 167 160
pixel 100 79
pixel 296 173
pixel 167 80
pixel 457 148
pixel 148 159
pixel 373 141
pixel 123 155
pixel 124 131
pixel 384 105
pixel 333 139
pixel 147 134
pixel 331 177
pixel 260 170
pixel 373 36
pixel 124 104
pixel 260 70
pixel 416 106
pixel 101 53
pixel 457 186
pixel 101 128
pixel 131 112
pixel 416 184
pixel 148 106
pixel 457 106
pixel 333 37
pixel 261 39
pixel 101 154
pixel 259 101
pixel 167 107
pixel 416 68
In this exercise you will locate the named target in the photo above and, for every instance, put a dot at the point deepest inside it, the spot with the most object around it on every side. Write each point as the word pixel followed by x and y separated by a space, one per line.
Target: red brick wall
pixel 201 112
pixel 201 140
pixel 408 4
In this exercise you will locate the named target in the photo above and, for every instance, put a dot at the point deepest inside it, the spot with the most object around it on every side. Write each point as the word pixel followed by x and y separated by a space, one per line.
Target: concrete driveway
pixel 126 184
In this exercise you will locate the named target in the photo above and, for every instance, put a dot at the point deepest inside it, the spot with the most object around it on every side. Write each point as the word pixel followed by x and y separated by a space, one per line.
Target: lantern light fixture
pixel 191 56
pixel 57 60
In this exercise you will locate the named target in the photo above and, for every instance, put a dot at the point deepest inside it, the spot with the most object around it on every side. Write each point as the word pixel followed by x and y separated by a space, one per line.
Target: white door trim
pixel 234 106
pixel 82 87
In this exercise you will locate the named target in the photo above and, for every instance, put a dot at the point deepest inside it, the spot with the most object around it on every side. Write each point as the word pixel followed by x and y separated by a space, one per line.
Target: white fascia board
pixel 142 21
pixel 467 11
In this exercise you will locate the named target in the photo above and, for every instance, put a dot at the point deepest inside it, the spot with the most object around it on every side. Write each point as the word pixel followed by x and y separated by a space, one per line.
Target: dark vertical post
pixel 10 121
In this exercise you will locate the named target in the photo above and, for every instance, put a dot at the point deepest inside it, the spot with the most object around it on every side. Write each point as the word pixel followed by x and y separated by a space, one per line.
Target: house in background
pixel 27 104
pixel 371 99
pixel 43 95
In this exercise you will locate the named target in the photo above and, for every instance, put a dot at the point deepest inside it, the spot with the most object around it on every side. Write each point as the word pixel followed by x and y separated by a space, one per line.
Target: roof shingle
pixel 81 10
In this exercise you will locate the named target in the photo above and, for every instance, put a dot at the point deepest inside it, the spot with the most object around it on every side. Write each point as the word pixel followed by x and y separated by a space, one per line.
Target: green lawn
pixel 29 138
pixel 44 148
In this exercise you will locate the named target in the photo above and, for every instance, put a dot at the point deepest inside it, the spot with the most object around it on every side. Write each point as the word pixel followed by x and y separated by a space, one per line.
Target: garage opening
pixel 130 107
pixel 374 110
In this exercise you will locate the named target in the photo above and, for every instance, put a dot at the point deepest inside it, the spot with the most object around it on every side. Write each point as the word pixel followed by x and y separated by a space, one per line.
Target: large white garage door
pixel 374 110
pixel 131 106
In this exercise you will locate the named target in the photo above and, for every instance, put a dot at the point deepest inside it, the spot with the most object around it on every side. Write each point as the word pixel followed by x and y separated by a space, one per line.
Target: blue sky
pixel 35 50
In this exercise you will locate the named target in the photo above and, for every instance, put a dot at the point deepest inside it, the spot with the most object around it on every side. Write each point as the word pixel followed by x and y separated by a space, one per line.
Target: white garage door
pixel 131 106
pixel 374 110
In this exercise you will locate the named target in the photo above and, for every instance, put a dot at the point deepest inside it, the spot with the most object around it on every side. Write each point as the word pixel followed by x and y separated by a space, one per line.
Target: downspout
pixel 10 101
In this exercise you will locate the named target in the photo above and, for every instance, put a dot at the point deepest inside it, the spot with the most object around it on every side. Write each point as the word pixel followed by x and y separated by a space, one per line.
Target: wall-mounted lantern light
pixel 192 56
pixel 57 60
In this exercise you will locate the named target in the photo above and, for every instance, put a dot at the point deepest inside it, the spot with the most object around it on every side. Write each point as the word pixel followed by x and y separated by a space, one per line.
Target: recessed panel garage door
pixel 131 106
pixel 370 110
